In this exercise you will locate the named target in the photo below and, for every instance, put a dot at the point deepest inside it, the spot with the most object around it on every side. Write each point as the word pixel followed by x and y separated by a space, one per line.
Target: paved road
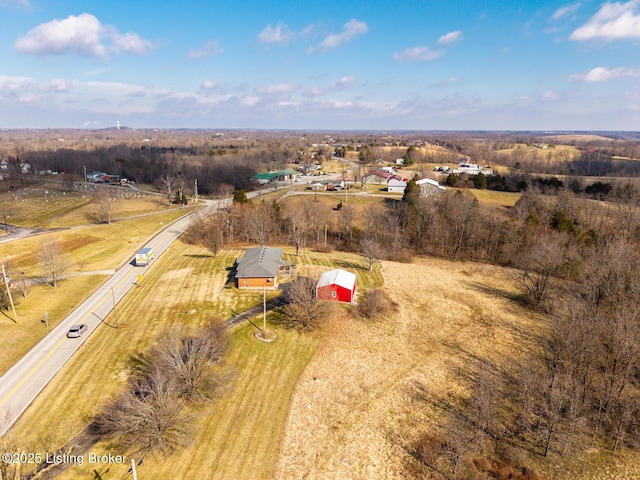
pixel 26 379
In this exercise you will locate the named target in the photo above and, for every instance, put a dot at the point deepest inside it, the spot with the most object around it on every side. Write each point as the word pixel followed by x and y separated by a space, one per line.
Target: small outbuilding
pixel 338 285
pixel 429 187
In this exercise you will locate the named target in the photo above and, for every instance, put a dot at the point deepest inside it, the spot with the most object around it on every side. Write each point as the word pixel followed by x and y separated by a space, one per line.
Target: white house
pixel 472 169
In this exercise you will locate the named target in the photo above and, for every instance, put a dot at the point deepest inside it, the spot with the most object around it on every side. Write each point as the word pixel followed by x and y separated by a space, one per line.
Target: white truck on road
pixel 144 257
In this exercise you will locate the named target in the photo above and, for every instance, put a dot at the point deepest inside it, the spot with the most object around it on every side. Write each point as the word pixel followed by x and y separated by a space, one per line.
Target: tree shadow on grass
pixel 353 265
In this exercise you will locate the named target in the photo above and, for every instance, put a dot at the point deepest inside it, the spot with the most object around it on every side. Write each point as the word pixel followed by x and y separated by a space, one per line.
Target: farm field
pixel 494 200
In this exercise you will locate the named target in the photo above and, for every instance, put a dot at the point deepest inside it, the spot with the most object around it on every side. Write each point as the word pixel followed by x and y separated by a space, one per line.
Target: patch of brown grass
pixel 365 395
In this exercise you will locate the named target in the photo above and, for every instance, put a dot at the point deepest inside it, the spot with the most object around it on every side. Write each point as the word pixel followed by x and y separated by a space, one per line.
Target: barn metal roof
pixel 339 277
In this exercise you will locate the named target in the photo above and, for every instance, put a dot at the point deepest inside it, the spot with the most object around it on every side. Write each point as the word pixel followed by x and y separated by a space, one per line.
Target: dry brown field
pixel 358 394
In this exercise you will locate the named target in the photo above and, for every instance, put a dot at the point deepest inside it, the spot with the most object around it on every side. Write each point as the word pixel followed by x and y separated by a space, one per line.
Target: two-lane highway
pixel 26 379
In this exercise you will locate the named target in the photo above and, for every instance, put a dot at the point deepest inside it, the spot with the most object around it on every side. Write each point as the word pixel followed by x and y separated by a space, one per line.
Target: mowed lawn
pixel 237 436
pixel 86 250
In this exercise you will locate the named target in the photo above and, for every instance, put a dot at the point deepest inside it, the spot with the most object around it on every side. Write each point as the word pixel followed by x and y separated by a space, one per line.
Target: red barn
pixel 338 285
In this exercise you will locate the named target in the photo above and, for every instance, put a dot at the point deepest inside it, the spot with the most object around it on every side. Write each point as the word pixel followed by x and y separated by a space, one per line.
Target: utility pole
pixel 115 312
pixel 6 284
pixel 133 469
pixel 264 311
pixel 196 189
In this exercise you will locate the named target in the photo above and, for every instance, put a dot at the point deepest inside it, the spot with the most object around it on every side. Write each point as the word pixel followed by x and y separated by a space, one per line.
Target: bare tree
pixel 372 250
pixel 149 417
pixel 193 361
pixel 540 264
pixel 104 198
pixel 304 311
pixel 298 226
pixel 153 414
pixel 222 193
pixel 52 259
pixel 348 222
pixel 168 184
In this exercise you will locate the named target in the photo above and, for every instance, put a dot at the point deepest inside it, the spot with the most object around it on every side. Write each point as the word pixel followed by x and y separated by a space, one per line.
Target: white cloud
pixel 352 29
pixel 278 89
pixel 613 21
pixel 566 11
pixel 281 33
pixel 214 86
pixel 15 3
pixel 130 43
pixel 209 48
pixel 341 84
pixel 603 74
pixel 446 82
pixel 83 34
pixel 59 85
pixel 450 38
pixel 550 95
pixel 413 54
pixel 15 86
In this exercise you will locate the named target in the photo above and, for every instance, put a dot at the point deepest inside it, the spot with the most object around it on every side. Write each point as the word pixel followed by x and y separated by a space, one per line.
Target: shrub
pixel 376 304
pixel 480 181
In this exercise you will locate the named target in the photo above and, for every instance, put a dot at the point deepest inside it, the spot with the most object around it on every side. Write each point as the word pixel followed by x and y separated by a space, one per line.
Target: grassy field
pixel 239 436
pixel 372 388
pixel 493 200
pixel 93 247
pixel 86 250
pixel 46 207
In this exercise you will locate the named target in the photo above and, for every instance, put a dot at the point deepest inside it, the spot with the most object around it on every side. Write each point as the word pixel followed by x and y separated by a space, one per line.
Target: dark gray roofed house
pixel 259 267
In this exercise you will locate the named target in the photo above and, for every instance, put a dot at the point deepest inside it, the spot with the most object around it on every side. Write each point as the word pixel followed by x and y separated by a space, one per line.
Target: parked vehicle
pixel 144 257
pixel 77 330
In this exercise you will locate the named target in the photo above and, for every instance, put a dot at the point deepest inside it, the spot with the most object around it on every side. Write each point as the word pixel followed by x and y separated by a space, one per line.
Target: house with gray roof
pixel 259 267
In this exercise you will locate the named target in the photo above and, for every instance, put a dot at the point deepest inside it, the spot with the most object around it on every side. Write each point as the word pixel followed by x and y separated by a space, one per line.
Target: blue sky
pixel 392 65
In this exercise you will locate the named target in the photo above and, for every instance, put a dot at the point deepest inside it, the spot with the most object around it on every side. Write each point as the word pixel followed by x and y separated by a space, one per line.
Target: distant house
pixel 396 184
pixel 472 169
pixel 319 186
pixel 429 187
pixel 4 165
pixel 259 268
pixel 95 176
pixel 338 285
pixel 276 176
